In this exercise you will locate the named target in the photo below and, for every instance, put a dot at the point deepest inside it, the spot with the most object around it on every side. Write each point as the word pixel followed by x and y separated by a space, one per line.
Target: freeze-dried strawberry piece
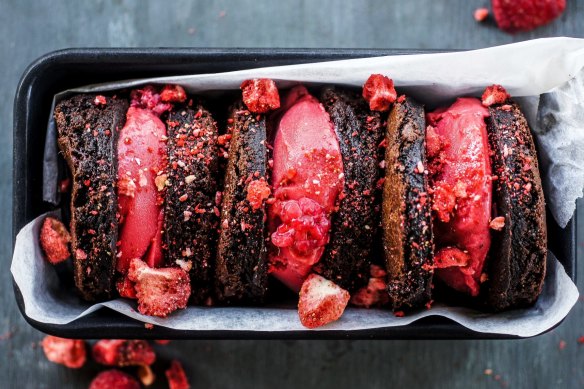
pixel 524 15
pixel 494 94
pixel 55 240
pixel 177 379
pixel 321 301
pixel 159 291
pixel 114 379
pixel 379 92
pixel 162 342
pixel 122 352
pixel 260 95
pixel 100 100
pixel 68 352
pixel 173 94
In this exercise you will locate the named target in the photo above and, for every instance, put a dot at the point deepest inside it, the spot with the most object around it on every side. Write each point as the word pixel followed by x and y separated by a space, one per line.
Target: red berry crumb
pixel 321 301
pixel 100 100
pixel 68 352
pixel 581 339
pixel 55 240
pixel 494 94
pixel 257 192
pixel 260 95
pixel 159 291
pixel 562 344
pixel 114 379
pixel 480 14
pixel 173 94
pixel 379 92
pixel 177 379
pixel 497 223
pixel 524 15
pixel 121 352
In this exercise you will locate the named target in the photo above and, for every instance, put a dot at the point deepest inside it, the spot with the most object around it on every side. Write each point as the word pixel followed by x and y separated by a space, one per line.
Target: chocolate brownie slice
pixel 191 214
pixel 354 226
pixel 87 128
pixel 406 212
pixel 518 251
pixel 241 272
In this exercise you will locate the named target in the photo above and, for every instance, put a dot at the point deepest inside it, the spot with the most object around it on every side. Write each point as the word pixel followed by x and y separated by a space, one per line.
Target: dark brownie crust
pixel 191 215
pixel 518 252
pixel 241 271
pixel 406 211
pixel 354 226
pixel 87 137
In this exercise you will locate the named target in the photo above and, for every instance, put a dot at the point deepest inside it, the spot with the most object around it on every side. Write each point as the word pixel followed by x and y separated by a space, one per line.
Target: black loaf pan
pixel 66 69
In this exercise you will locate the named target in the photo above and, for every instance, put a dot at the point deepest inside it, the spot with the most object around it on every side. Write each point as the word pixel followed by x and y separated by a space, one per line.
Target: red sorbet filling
pixel 141 154
pixel 460 178
pixel 307 177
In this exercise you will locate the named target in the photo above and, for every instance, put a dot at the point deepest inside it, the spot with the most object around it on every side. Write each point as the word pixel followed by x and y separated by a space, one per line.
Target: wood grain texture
pixel 29 29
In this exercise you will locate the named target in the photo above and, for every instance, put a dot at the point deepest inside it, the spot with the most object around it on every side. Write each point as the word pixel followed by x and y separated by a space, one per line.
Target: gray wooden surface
pixel 29 29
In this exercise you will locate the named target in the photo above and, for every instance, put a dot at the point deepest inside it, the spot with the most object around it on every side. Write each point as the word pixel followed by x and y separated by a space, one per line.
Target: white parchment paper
pixel 546 67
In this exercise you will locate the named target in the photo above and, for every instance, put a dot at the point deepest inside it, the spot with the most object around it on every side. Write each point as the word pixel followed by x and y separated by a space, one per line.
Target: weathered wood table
pixel 29 29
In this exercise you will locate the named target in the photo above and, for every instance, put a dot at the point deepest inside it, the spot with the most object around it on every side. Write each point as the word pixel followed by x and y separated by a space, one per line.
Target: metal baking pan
pixel 70 68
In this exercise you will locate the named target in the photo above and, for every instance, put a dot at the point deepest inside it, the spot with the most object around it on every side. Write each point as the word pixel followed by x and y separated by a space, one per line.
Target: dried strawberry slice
pixel 525 15
pixel 494 94
pixel 54 239
pixel 321 301
pixel 114 379
pixel 68 352
pixel 177 379
pixel 173 94
pixel 260 95
pixel 379 92
pixel 159 291
pixel 121 352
